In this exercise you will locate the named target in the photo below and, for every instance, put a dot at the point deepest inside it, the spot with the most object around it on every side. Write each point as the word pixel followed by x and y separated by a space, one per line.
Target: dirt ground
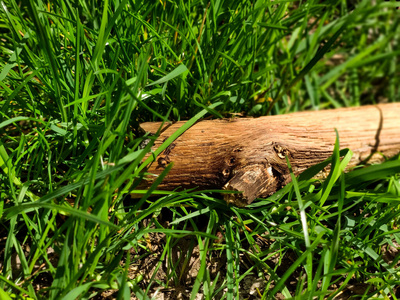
pixel 185 261
pixel 251 287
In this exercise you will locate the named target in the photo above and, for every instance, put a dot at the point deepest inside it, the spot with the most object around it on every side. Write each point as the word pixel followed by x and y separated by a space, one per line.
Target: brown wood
pixel 248 154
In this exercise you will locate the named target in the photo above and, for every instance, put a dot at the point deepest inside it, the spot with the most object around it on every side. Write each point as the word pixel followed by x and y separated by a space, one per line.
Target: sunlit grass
pixel 76 80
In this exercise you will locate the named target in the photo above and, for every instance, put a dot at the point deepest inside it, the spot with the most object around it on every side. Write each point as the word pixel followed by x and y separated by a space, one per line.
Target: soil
pixel 149 263
pixel 185 259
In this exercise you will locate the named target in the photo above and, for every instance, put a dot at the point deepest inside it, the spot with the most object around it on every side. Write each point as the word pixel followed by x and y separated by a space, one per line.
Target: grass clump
pixel 78 77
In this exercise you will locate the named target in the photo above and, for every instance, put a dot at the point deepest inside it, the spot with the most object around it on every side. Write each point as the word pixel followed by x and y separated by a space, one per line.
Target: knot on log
pixel 281 151
pixel 252 181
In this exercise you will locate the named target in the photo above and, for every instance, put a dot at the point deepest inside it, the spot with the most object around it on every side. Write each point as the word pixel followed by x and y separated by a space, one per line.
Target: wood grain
pixel 248 154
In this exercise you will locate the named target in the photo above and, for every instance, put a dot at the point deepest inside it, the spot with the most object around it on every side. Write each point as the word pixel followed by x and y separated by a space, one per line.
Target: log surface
pixel 248 154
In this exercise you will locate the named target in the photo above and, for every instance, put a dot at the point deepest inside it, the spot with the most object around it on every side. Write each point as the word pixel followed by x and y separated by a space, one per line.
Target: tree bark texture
pixel 248 154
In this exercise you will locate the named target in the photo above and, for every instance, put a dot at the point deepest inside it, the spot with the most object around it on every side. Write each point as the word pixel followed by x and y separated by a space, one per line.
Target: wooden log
pixel 248 154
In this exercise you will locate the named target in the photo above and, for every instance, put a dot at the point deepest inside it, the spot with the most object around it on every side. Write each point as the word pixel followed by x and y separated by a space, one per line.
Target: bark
pixel 248 154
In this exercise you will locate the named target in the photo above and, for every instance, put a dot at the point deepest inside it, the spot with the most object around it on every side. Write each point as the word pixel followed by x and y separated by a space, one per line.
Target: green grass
pixel 77 78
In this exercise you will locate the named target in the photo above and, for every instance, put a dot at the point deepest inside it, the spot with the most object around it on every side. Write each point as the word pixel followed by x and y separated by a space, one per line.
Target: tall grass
pixel 77 78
